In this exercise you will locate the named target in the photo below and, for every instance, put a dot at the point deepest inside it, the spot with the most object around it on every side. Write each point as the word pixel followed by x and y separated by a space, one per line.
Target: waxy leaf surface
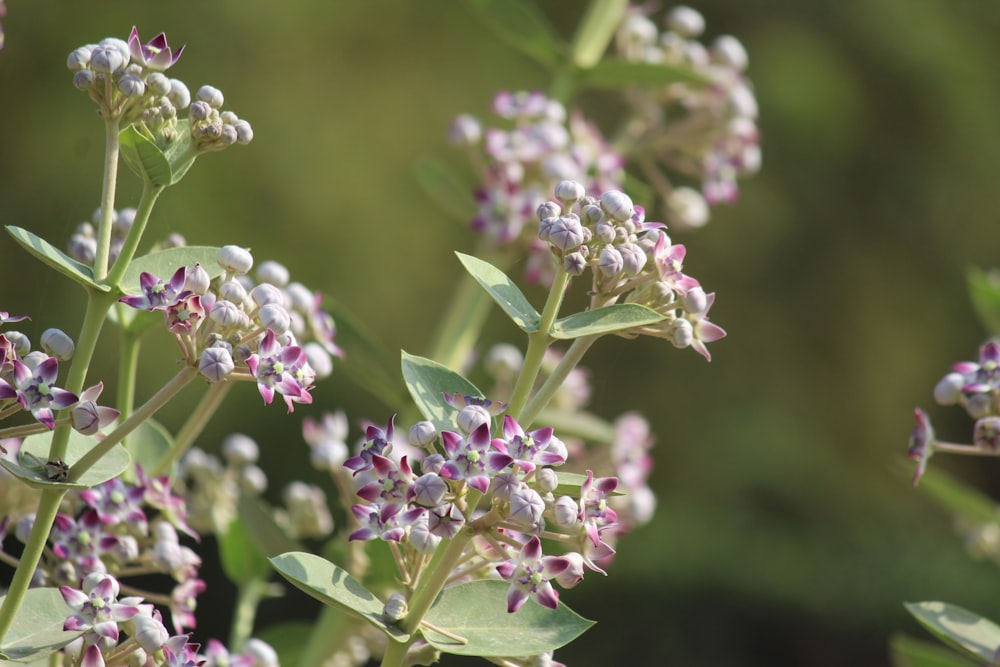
pixel 27 470
pixel 427 382
pixel 38 626
pixel 164 263
pixel 609 319
pixel 503 290
pixel 55 258
pixel 967 631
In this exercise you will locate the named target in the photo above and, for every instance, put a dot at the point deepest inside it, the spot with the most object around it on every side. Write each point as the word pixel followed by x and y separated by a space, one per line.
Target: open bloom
pixel 35 390
pixel 281 369
pixel 530 574
pixel 155 54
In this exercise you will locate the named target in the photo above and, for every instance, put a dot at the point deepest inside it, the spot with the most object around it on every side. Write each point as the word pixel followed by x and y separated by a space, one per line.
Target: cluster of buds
pixel 127 82
pixel 974 385
pixel 628 257
pixel 125 529
pixel 118 631
pixel 705 131
pixel 519 165
pixel 511 473
pixel 82 245
pixel 237 327
pixel 28 382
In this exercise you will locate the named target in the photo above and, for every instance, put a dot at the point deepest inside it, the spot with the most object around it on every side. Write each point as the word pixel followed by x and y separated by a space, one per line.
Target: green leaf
pixel 149 443
pixel 609 319
pixel 959 498
pixel 909 652
pixel 333 586
pixel 164 263
pixel 504 292
pixel 428 381
pixel 577 424
pixel 241 559
pixel 288 639
pixel 366 361
pixel 133 321
pixel 263 531
pixel 181 152
pixel 38 626
pixel 964 630
pixel 477 612
pixel 144 157
pixel 984 290
pixel 618 73
pixel 27 469
pixel 523 27
pixel 445 189
pixel 55 258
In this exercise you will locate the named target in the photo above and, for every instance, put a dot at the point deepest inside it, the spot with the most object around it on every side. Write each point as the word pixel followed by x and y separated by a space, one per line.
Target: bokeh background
pixel 787 532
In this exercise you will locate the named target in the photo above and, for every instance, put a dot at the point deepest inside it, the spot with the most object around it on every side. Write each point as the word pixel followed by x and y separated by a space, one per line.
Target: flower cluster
pixel 706 130
pixel 517 167
pixel 126 80
pixel 628 257
pixel 974 385
pixel 262 328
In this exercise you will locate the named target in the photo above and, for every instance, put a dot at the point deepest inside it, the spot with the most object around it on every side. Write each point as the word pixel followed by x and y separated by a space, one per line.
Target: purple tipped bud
pixel 80 58
pixel 429 490
pixel 566 233
pixel 575 263
pixel 84 79
pixel 472 417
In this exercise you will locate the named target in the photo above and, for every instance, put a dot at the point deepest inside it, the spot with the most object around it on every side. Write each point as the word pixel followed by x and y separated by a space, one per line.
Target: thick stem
pixel 127 371
pixel 248 599
pixel 142 211
pixel 194 425
pixel 48 507
pixel 148 409
pixel 595 31
pixel 110 184
pixel 329 633
pixel 552 383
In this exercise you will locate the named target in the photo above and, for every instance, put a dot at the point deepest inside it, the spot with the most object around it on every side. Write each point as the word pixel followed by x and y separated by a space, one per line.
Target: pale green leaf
pixel 241 559
pixel 181 152
pixel 503 290
pixel 477 612
pixel 333 586
pixel 909 652
pixel 446 189
pixel 55 258
pixel 38 626
pixel 964 630
pixel 263 531
pixel 427 382
pixel 608 319
pixel 959 498
pixel 149 443
pixel 164 263
pixel 144 157
pixel 35 449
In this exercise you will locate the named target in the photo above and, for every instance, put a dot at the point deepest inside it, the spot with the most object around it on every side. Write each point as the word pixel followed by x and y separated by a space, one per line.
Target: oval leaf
pixel 445 189
pixel 27 469
pixel 263 531
pixel 609 319
pixel 180 153
pixel 38 626
pixel 149 443
pixel 523 27
pixel 163 264
pixel 144 157
pixel 969 632
pixel 504 292
pixel 55 258
pixel 910 652
pixel 333 586
pixel 241 560
pixel 477 612
pixel 618 73
pixel 428 381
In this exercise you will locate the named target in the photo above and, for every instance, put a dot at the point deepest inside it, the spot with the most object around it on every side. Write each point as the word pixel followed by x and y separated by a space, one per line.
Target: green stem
pixel 193 427
pixel 146 201
pixel 127 370
pixel 148 409
pixel 538 342
pixel 48 507
pixel 552 383
pixel 595 31
pixel 110 184
pixel 248 597
pixel 328 634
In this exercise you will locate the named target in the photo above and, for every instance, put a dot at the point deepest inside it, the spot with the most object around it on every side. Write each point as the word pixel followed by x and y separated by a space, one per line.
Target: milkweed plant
pixel 468 502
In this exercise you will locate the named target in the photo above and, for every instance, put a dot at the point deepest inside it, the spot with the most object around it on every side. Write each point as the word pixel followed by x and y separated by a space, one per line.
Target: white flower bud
pixel 211 95
pixel 617 205
pixel 695 300
pixel 120 45
pixel 682 334
pixel 79 59
pixel 149 632
pixel 272 272
pixel 235 259
pixel 261 653
pixel 546 480
pixel 106 59
pixel 394 610
pixel 472 417
pixel 503 361
pixel 566 512
pixel 20 342
pixel 465 130
pixel 253 480
pixel 572 575
pixel 273 316
pixel 264 294
pixel 216 363
pixel 979 406
pixel 240 449
pixel 948 391
pixel 132 86
pixel 244 132
pixel 58 344
pixel 422 434
pixel 319 359
pixel 685 21
pixel 687 207
pixel 179 94
pixel 729 51
pixel 569 192
pixel 84 79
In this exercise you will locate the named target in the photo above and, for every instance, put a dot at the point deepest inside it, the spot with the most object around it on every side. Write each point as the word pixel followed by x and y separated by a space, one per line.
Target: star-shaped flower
pixel 155 54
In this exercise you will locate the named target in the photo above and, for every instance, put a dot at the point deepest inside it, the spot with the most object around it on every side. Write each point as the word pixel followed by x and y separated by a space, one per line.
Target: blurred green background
pixel 787 532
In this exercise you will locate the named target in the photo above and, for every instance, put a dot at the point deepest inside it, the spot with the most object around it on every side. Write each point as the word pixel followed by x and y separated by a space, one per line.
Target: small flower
pixel 156 294
pixel 281 369
pixel 921 443
pixel 35 390
pixel 89 417
pixel 472 460
pixel 155 54
pixel 529 576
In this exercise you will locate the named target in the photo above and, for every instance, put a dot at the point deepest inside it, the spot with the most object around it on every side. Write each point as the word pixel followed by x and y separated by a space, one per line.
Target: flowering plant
pixel 462 523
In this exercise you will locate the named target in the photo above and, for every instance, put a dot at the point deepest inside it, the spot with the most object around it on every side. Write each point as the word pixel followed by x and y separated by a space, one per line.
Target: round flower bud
pixel 264 294
pixel 395 608
pixel 575 263
pixel 211 95
pixel 84 79
pixel 472 417
pixel 240 449
pixel 227 135
pixel 633 258
pixel 546 480
pixel 465 130
pixel 617 205
pixel 686 207
pixel 557 447
pixel 158 83
pixel 235 259
pixel 549 209
pixel 34 359
pixel 610 261
pixel 260 652
pixel 979 406
pixel 125 548
pixel 197 280
pixel 226 314
pixel 272 272
pixel 119 44
pixel 233 290
pixel 57 344
pixel 149 632
pixel 566 233
pixel 422 434
pixel 429 490
pixel 132 86
pixel 682 334
pixel 319 359
pixel 179 94
pixel 200 111
pixel 421 538
pixel 572 575
pixel 106 59
pixel 503 361
pixel 244 132
pixel 729 51
pixel 216 363
pixel 695 300
pixel 328 455
pixel 526 507
pixel 504 485
pixel 569 192
pixel 300 296
pixel 20 343
pixel 137 658
pixel 432 463
pixel 948 391
pixel 685 21
pixel 987 433
pixel 253 480
pixel 273 316
pixel 566 512
pixel 79 59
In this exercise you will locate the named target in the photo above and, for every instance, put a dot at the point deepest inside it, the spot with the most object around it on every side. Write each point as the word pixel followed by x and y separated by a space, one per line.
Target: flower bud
pixel 200 111
pixel 422 434
pixel 573 574
pixel 273 316
pixel 617 205
pixel 987 433
pixel 319 359
pixel 526 507
pixel 272 272
pixel 421 538
pixel 546 480
pixel 569 192
pixel 84 79
pixel 240 449
pixel 57 344
pixel 244 132
pixel 682 334
pixel 729 51
pixel 432 463
pixel 472 417
pixel 685 21
pixel 264 294
pixel 179 94
pixel 79 59
pixel 197 280
pixel 395 608
pixel 106 59
pixel 429 490
pixel 566 233
pixel 260 652
pixel 149 632
pixel 948 391
pixel 566 512
pixel 611 262
pixel 695 300
pixel 235 259
pixel 633 258
pixel 686 207
pixel 216 363
pixel 979 406
pixel 549 209
pixel 20 343
pixel 210 95
pixel 575 263
pixel 158 83
pixel 253 480
pixel 227 135
pixel 226 314
pixel 465 130
pixel 132 85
